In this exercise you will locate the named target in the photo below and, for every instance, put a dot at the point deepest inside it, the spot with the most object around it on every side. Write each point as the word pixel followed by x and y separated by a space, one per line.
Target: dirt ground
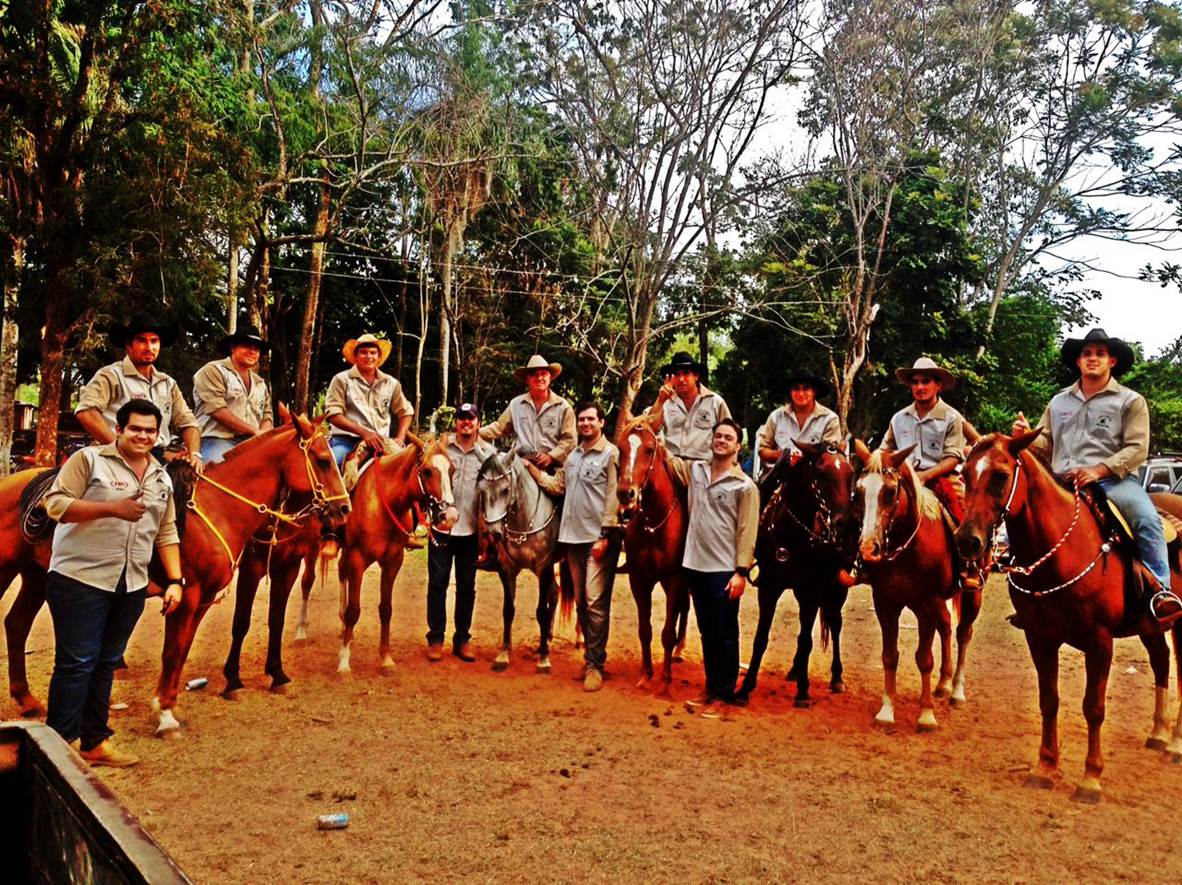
pixel 462 773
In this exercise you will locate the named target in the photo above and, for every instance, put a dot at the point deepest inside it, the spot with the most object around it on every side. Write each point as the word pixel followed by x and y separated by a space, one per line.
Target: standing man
pixel 719 553
pixel 136 376
pixel 542 421
pixel 803 419
pixel 113 505
pixel 362 400
pixel 230 399
pixel 460 547
pixel 686 411
pixel 589 532
pixel 1099 433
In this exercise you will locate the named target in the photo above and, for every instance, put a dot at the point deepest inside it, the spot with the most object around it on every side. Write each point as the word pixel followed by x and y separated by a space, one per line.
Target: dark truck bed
pixel 59 823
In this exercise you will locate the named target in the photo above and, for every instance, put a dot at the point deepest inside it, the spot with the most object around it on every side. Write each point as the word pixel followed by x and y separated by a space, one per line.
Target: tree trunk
pixel 637 355
pixel 53 363
pixel 424 319
pixel 312 302
pixel 445 317
pixel 13 265
pixel 232 288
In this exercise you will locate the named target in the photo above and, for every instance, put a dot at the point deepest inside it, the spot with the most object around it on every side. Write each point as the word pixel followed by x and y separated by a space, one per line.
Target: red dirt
pixel 460 772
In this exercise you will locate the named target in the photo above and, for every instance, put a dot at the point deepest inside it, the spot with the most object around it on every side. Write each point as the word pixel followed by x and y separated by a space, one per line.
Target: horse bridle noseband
pixel 826 536
pixel 891 555
pixel 514 537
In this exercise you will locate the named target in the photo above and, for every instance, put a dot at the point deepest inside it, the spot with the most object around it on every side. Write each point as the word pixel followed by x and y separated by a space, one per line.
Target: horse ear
pixel 302 425
pixel 861 450
pixel 414 440
pixel 1022 440
pixel 284 414
pixel 894 459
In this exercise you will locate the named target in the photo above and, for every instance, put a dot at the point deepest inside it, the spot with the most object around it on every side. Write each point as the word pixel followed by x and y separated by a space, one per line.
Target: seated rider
pixel 686 410
pixel 938 434
pixel 361 401
pixel 803 419
pixel 1099 433
pixel 541 420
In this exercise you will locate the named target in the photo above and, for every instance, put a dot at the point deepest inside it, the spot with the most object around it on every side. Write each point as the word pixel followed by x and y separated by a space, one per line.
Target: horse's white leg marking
pixel 302 626
pixel 387 662
pixel 544 664
pixel 927 716
pixel 502 658
pixel 1160 735
pixel 168 723
pixel 886 715
pixel 343 659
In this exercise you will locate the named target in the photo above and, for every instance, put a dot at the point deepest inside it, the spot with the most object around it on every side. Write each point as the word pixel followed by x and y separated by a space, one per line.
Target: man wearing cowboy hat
pixel 686 411
pixel 1099 433
pixel 542 421
pixel 136 377
pixel 803 419
pixel 362 400
pixel 230 399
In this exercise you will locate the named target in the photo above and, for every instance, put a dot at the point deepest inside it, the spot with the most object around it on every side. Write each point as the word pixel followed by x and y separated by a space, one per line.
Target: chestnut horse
pixel 378 529
pixel 655 518
pixel 805 541
pixel 906 548
pixel 1071 591
pixel 230 502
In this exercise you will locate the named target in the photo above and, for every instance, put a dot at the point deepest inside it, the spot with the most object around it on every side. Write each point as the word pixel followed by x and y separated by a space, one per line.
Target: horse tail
pixel 824 630
pixel 566 593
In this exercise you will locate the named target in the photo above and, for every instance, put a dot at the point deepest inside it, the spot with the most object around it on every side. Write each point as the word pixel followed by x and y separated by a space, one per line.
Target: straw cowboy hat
pixel 1073 347
pixel 536 362
pixel 349 350
pixel 820 386
pixel 142 322
pixel 926 366
pixel 245 335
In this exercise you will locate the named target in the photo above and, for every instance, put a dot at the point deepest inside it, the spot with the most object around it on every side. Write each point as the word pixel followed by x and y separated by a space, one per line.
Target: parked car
pixel 1161 472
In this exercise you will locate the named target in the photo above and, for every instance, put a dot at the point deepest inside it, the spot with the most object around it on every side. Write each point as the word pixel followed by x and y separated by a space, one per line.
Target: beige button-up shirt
pixel 464 467
pixel 550 429
pixel 114 385
pixel 689 432
pixel 370 405
pixel 723 517
pixel 1110 428
pixel 937 435
pixel 98 551
pixel 218 385
pixel 781 428
pixel 588 481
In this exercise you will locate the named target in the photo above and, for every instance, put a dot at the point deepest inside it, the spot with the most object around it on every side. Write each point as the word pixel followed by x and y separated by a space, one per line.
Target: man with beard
pixel 230 399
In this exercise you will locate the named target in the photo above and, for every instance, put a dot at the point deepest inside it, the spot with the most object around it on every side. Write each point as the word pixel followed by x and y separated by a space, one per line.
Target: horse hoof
pixel 1155 744
pixel 500 666
pixel 544 667
pixel 301 636
pixel 957 700
pixel 940 692
pixel 926 727
pixel 1176 758
pixel 230 694
pixel 883 723
pixel 281 687
pixel 802 703
pixel 1038 782
pixel 837 687
pixel 31 708
pixel 645 683
pixel 665 691
pixel 1086 795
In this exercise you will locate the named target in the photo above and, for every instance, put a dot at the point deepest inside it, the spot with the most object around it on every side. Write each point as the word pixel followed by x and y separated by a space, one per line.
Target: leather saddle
pixel 35 523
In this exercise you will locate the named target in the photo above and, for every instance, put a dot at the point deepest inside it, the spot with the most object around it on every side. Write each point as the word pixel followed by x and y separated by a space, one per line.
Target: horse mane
pixel 929 505
pixel 248 445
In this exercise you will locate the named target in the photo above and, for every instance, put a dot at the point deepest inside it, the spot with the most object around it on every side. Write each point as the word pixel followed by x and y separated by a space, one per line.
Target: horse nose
pixel 869 550
pixel 969 545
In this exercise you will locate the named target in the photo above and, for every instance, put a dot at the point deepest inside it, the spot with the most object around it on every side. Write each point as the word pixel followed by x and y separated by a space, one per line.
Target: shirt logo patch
pixel 1104 421
pixel 118 484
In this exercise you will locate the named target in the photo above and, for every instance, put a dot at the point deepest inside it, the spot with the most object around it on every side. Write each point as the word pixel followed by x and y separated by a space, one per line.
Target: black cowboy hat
pixel 820 386
pixel 682 360
pixel 244 335
pixel 1073 347
pixel 142 322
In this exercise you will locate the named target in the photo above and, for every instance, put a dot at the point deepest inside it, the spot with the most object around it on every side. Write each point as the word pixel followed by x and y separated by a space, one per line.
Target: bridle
pixel 513 536
pixel 435 506
pixel 826 536
pixel 648 528
pixel 890 555
pixel 319 504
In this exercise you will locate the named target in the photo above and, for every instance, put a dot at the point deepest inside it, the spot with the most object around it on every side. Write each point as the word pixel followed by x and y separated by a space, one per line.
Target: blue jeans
pixel 461 550
pixel 214 448
pixel 718 622
pixel 341 447
pixel 593 581
pixel 90 631
pixel 1138 509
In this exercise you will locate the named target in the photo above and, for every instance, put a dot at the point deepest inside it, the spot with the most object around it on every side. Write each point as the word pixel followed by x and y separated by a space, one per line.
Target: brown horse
pixel 378 529
pixel 655 517
pixel 231 502
pixel 906 547
pixel 1071 591
pixel 805 542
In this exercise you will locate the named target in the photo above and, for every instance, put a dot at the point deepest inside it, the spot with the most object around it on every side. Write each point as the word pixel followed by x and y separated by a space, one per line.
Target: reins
pixel 892 555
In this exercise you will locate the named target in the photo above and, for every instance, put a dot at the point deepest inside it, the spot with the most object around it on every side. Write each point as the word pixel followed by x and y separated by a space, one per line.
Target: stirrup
pixel 1171 614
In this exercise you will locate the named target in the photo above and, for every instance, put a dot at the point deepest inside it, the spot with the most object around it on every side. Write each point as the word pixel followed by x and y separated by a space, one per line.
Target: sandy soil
pixel 459 772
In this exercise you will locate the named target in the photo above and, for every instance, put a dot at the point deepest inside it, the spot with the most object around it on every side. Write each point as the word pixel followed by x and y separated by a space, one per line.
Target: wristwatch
pixel 180 582
pixel 743 572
